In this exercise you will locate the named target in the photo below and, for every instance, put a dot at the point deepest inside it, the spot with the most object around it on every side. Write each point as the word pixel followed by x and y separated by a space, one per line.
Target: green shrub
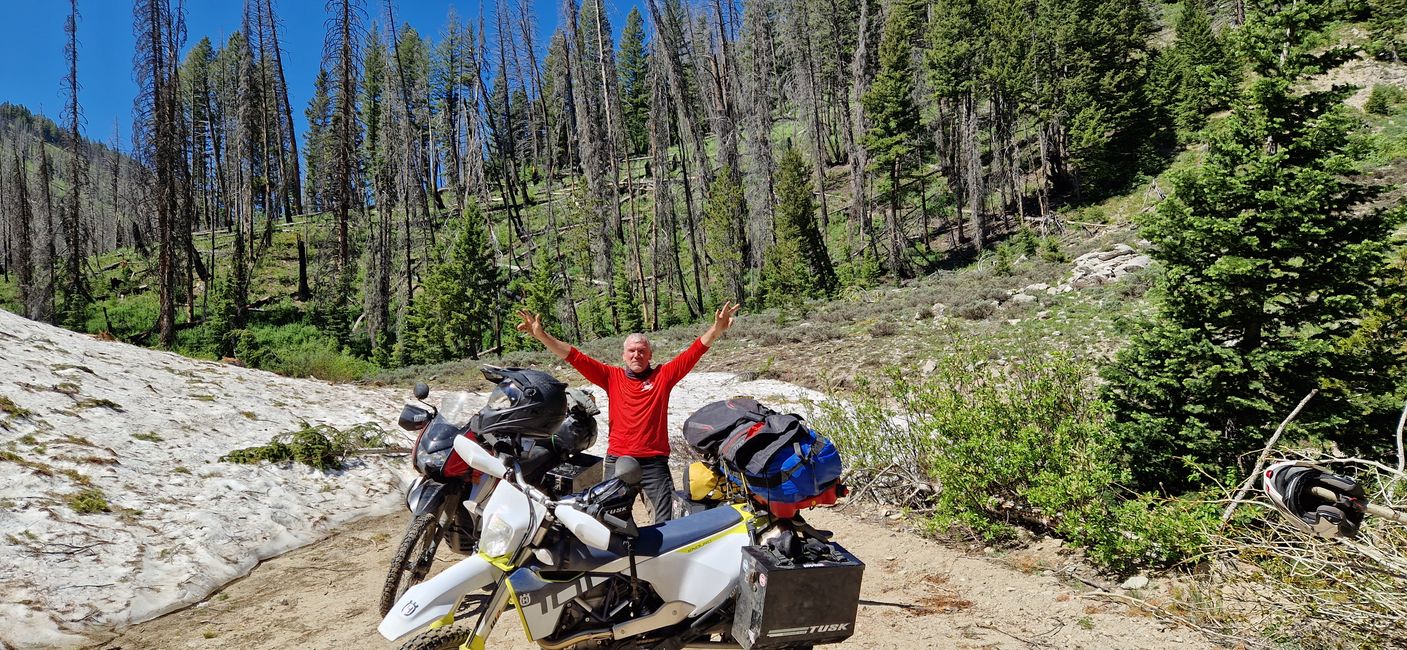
pixel 321 359
pixel 298 350
pixel 861 272
pixel 1019 444
pixel 1382 100
pixel 976 310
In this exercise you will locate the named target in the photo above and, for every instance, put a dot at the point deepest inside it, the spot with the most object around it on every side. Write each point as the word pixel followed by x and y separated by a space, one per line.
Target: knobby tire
pixel 449 637
pixel 412 561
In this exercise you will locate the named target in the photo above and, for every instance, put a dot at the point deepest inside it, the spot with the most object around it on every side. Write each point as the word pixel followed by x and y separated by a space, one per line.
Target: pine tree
pixel 1196 76
pixel 797 265
pixel 453 314
pixel 73 291
pixel 1270 260
pixel 894 137
pixel 726 242
pixel 315 153
pixel 1388 24
pixel 544 289
pixel 634 82
pixel 1104 91
pixel 623 299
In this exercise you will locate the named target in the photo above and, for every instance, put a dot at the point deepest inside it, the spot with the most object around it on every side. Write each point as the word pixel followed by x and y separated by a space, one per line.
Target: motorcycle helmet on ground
pixel 525 402
pixel 1290 485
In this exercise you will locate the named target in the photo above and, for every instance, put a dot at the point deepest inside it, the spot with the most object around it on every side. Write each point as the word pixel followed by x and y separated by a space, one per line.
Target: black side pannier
pixel 709 426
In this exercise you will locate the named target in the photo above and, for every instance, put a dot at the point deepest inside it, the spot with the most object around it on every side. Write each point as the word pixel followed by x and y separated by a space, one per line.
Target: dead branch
pixel 1400 421
pixel 1029 642
pixel 1260 462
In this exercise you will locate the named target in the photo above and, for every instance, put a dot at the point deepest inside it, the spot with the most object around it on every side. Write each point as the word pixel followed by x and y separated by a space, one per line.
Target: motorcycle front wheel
pixel 449 637
pixel 412 561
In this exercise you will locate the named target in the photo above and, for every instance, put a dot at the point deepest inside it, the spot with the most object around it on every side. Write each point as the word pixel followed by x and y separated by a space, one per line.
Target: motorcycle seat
pixel 654 540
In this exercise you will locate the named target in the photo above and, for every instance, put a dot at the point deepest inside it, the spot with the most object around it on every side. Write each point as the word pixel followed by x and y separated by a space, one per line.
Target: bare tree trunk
pixel 671 37
pixel 294 190
pixel 24 238
pixel 76 291
pixel 665 215
pixel 859 85
pixel 971 156
pixel 47 270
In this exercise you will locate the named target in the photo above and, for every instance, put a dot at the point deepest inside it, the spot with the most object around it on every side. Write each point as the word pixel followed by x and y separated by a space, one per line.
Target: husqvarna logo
pixel 812 629
pixel 410 608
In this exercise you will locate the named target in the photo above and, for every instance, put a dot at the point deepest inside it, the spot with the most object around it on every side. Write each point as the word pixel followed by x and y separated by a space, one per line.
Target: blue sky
pixel 32 40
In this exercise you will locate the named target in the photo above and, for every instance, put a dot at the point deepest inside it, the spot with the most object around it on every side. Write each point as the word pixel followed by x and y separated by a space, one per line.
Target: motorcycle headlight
pixel 498 535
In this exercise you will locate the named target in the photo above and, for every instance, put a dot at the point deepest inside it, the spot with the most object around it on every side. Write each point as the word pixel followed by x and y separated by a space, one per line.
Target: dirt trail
pixel 916 594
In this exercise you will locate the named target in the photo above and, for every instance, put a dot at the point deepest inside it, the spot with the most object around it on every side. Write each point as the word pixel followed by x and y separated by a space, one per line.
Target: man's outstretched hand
pixel 531 325
pixel 723 318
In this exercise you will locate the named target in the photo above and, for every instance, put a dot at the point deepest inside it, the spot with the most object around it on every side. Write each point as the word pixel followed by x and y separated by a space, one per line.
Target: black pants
pixel 656 483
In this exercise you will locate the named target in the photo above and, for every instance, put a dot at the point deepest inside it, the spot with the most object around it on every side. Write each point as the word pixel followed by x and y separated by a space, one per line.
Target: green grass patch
pixel 10 408
pixel 98 402
pixel 88 501
pixel 150 436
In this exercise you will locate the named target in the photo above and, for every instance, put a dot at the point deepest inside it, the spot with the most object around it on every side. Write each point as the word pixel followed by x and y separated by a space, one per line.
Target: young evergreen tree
pixel 726 242
pixel 453 313
pixel 797 265
pixel 623 298
pixel 895 134
pixel 1270 259
pixel 315 152
pixel 543 291
pixel 634 82
pixel 1196 76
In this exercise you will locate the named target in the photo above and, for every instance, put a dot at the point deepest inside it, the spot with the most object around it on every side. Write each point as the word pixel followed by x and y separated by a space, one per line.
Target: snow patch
pixel 146 428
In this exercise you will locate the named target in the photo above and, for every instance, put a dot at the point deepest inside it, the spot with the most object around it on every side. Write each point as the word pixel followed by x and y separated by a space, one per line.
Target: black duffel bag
pixel 709 426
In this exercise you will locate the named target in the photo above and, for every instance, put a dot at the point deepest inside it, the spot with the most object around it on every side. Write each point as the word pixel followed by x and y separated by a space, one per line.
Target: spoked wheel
pixel 449 637
pixel 412 560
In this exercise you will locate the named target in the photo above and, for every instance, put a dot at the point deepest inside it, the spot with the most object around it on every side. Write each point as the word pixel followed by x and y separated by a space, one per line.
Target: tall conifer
pixel 1269 261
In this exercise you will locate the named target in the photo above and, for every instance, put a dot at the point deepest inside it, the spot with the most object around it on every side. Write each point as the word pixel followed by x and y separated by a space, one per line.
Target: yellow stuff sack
pixel 704 483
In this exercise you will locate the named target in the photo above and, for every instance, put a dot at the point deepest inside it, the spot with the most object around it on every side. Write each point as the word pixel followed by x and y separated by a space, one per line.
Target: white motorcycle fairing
pixel 437 597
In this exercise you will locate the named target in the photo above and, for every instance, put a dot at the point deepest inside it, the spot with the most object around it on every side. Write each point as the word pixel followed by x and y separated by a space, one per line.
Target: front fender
pixel 425 495
pixel 437 597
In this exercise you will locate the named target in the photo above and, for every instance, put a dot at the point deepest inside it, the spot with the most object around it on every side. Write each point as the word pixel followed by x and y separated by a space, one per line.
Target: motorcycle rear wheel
pixel 411 563
pixel 449 637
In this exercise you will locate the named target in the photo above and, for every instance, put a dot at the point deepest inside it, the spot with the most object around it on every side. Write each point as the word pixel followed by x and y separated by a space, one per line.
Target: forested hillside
pixel 917 172
pixel 642 181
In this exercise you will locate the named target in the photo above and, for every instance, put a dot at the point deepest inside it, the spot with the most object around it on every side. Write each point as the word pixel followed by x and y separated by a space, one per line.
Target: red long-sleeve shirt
pixel 638 409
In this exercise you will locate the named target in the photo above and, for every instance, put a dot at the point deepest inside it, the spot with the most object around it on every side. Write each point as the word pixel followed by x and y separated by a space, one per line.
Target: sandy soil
pixel 916 594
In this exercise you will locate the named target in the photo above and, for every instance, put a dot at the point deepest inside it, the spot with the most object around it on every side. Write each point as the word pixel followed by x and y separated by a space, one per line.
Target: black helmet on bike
pixel 525 402
pixel 578 430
